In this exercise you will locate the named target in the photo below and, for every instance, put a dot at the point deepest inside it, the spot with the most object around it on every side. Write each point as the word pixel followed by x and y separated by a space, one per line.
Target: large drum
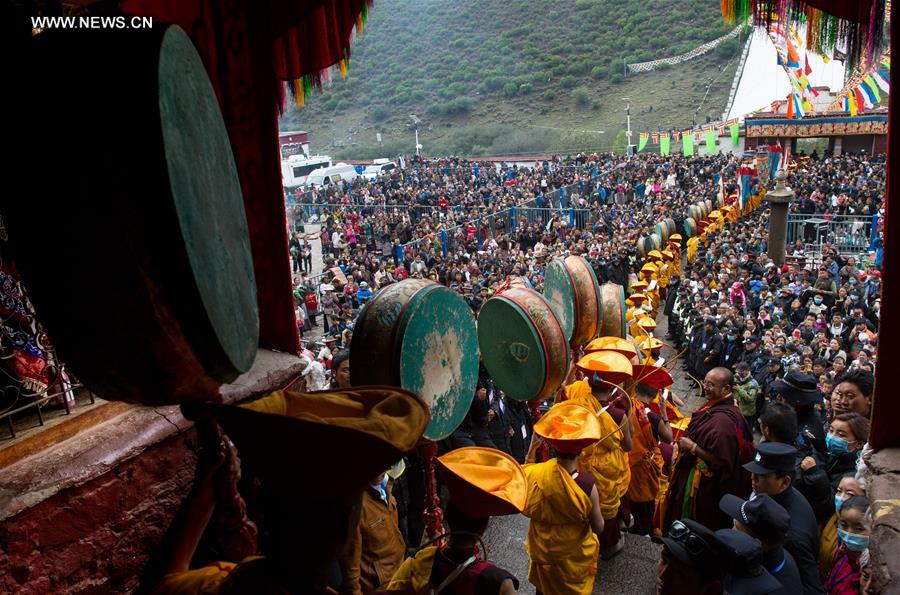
pixel 695 212
pixel 612 303
pixel 710 206
pixel 671 226
pixel 641 246
pixel 654 242
pixel 522 344
pixel 690 227
pixel 158 302
pixel 661 229
pixel 572 289
pixel 420 336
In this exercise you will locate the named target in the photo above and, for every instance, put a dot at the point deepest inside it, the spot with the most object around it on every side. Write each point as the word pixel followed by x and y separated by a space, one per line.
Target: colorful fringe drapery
pixel 697 51
pixel 866 81
pixel 857 27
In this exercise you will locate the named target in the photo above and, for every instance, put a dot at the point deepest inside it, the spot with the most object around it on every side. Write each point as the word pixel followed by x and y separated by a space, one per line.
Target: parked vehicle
pixel 326 176
pixel 379 168
pixel 296 168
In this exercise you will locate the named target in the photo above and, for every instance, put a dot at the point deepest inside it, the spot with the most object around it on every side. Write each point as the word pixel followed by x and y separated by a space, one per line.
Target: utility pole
pixel 418 146
pixel 628 151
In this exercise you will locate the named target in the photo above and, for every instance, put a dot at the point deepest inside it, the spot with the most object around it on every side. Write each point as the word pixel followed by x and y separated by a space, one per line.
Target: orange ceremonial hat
pixel 654 254
pixel 383 422
pixel 675 237
pixel 649 266
pixel 637 297
pixel 650 344
pixel 638 285
pixel 609 366
pixel 483 481
pixel 653 376
pixel 569 427
pixel 616 344
pixel 646 323
pixel 667 254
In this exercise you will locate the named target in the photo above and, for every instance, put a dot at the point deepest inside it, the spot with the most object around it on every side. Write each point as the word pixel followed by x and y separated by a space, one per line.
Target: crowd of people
pixel 759 490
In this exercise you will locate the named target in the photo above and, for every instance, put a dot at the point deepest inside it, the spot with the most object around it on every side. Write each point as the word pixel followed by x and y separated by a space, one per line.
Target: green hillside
pixel 508 77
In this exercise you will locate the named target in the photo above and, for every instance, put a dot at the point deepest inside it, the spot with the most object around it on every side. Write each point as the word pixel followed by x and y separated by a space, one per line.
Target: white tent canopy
pixel 763 80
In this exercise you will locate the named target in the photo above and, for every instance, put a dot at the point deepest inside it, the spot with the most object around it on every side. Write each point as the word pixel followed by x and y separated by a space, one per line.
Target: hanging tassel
pixel 299 94
pixel 343 67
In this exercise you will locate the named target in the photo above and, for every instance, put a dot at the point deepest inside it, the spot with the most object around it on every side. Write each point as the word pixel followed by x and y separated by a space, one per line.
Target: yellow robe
pixel 606 460
pixel 562 546
pixel 414 575
pixel 663 275
pixel 580 389
pixel 828 547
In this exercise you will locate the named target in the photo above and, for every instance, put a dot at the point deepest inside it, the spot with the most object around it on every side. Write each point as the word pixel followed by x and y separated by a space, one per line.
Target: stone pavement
pixel 633 572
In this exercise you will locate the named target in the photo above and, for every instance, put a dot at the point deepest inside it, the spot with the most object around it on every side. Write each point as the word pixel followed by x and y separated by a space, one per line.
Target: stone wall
pixel 98 537
pixel 87 514
pixel 883 489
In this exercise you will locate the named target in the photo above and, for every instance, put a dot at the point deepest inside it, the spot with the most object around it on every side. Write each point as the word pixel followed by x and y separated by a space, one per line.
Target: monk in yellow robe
pixel 483 482
pixel 607 460
pixel 564 505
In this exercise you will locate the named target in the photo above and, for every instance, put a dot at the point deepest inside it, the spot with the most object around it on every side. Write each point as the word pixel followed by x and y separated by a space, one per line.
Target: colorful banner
pixel 671 60
pixel 664 143
pixel 710 140
pixel 642 141
pixel 735 130
pixel 687 143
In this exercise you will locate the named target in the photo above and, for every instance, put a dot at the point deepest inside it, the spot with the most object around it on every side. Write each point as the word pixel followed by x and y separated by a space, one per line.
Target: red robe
pixel 694 490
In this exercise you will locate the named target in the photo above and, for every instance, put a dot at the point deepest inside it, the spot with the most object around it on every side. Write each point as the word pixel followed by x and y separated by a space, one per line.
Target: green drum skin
pixel 420 336
pixel 522 344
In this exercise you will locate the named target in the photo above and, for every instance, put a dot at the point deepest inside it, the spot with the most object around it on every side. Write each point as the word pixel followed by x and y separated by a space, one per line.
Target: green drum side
pixel 511 348
pixel 438 355
pixel 662 230
pixel 656 241
pixel 209 205
pixel 560 292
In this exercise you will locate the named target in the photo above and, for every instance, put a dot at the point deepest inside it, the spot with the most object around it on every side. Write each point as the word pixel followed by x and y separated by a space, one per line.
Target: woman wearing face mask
pixel 849 487
pixel 846 436
pixel 853 537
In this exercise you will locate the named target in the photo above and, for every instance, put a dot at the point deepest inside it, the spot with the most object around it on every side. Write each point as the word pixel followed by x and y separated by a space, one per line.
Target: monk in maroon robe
pixel 710 454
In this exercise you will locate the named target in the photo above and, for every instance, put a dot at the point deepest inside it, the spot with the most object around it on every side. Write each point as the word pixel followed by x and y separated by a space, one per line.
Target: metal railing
pixel 851 235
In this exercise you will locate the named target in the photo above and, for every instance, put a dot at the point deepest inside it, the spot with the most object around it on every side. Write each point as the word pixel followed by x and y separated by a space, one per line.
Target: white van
pixel 296 168
pixel 379 168
pixel 325 176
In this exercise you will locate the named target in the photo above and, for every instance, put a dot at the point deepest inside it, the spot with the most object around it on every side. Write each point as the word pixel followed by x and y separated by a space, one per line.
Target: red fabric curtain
pixel 851 10
pixel 248 47
pixel 885 430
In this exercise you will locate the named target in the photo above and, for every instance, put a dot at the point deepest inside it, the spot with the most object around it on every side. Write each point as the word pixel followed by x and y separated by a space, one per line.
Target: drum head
pixel 559 289
pixel 512 348
pixel 439 357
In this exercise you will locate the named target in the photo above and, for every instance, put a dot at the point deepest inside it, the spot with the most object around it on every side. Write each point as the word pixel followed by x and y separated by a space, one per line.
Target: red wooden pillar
pixel 886 406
